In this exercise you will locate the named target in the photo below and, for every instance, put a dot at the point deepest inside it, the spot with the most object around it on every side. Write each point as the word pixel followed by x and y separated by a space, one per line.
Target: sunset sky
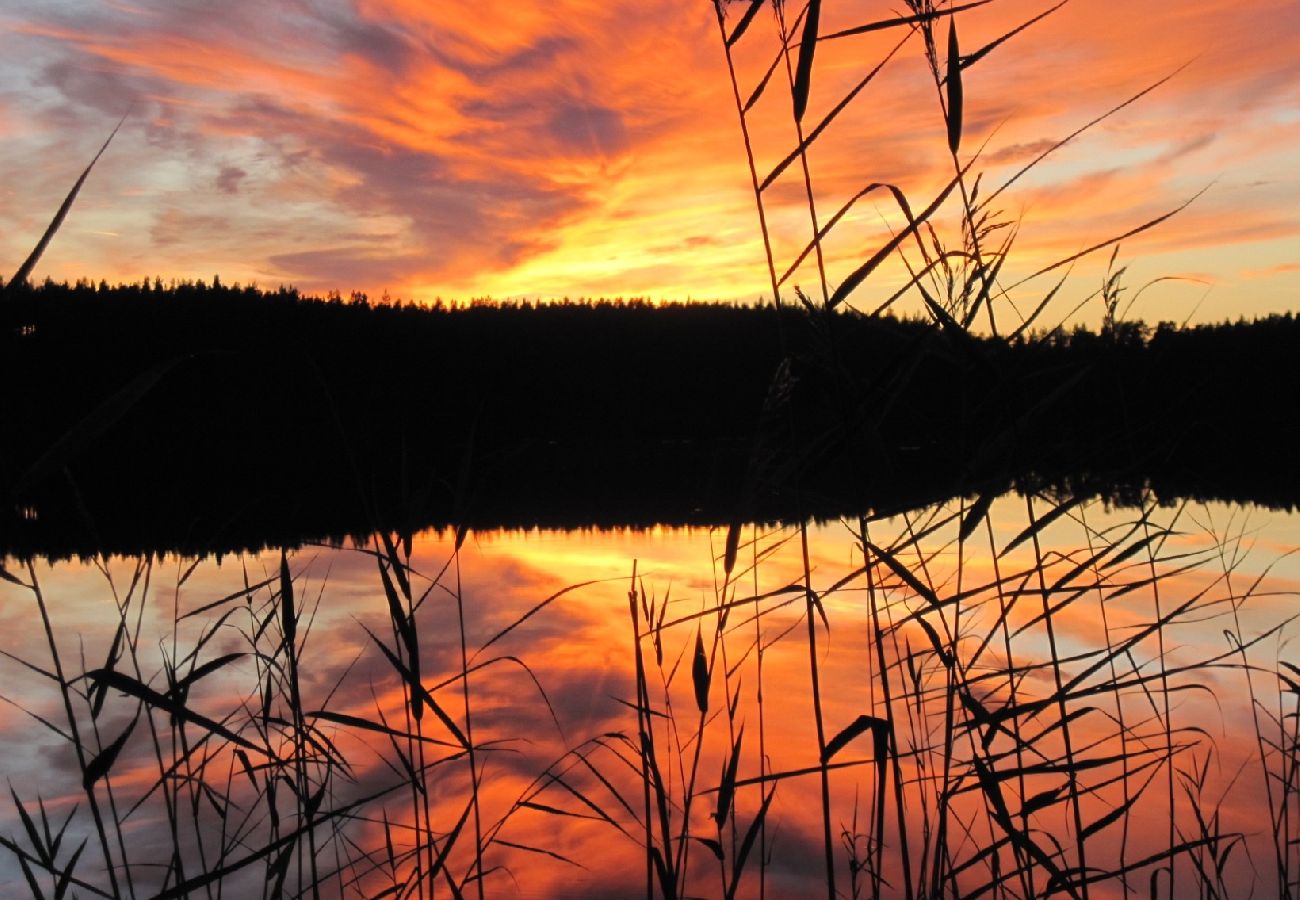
pixel 587 148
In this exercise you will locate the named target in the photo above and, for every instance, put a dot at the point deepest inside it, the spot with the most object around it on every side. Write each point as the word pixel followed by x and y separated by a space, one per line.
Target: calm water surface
pixel 1161 723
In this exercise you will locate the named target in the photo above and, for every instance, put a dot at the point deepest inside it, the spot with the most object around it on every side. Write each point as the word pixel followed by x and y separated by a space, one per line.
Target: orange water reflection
pixel 552 698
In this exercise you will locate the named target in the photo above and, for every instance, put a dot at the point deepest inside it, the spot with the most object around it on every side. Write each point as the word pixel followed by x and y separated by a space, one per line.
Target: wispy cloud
pixel 1287 268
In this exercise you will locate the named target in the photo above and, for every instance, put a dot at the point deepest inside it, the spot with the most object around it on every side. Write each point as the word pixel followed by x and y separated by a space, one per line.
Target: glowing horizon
pixel 583 149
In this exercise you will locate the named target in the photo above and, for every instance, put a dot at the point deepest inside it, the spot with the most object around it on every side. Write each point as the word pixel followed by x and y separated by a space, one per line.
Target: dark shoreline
pixel 209 418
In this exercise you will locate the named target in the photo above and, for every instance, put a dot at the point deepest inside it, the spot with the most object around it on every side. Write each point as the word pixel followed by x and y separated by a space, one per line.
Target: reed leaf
pixel 65 878
pixel 761 86
pixel 1040 523
pixel 288 612
pixel 1138 546
pixel 401 622
pixel 727 786
pixel 712 845
pixel 1000 815
pixel 830 117
pixel 803 68
pixel 532 612
pixel 747 845
pixel 667 880
pixel 956 93
pixel 205 670
pixel 395 563
pixel 878 727
pixel 1110 817
pixel 700 674
pixel 419 695
pixel 1102 245
pixel 904 21
pixel 732 548
pixel 128 685
pixel 905 574
pixel 555 810
pixel 99 767
pixel 975 515
pixel 30 827
pixel 1023 170
pixel 31 878
pixel 1042 800
pixel 541 851
pixel 971 58
pixel 352 721
pixel 25 270
pixel 855 278
pixel 743 25
pixel 98 695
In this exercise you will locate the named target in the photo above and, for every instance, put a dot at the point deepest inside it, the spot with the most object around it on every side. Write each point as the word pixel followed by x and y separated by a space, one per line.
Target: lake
pixel 1027 698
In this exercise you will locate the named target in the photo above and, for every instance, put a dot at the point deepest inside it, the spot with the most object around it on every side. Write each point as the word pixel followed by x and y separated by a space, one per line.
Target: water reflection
pixel 565 486
pixel 1031 747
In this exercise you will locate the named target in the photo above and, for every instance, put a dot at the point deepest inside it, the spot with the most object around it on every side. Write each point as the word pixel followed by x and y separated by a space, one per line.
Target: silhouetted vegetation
pixel 266 417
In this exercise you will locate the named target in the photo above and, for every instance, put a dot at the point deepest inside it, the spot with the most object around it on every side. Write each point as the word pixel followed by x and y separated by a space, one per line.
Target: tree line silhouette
pixel 204 416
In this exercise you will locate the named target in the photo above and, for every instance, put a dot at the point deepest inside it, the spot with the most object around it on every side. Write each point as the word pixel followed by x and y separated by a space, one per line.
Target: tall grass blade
pixel 732 548
pixel 65 879
pixel 1023 170
pixel 808 139
pixel 900 21
pixel 532 612
pixel 352 721
pixel 975 515
pixel 855 278
pixel 759 88
pixel 242 592
pixel 30 827
pixel 899 198
pixel 288 612
pixel 956 93
pixel 858 726
pixel 712 845
pixel 31 879
pixel 1102 245
pixel 25 270
pixel 541 851
pixel 99 767
pixel 667 882
pixel 743 25
pixel 971 58
pixel 700 674
pixel 1039 523
pixel 747 845
pixel 803 69
pixel 419 694
pixel 168 704
pixel 1001 815
pixel 727 787
pixel 212 665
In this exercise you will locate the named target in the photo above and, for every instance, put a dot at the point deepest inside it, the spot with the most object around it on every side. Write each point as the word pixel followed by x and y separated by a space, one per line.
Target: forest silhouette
pixel 196 416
